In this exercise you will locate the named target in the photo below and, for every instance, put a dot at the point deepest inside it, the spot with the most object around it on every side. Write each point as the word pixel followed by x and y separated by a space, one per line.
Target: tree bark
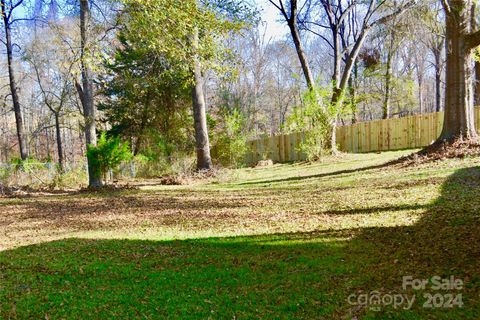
pixel 388 76
pixel 388 89
pixel 421 105
pixel 13 85
pixel 476 94
pixel 302 57
pixel 293 26
pixel 85 92
pixel 459 113
pixel 352 83
pixel 47 137
pixel 438 78
pixel 58 133
pixel 204 161
pixel 339 87
pixel 477 84
pixel 291 19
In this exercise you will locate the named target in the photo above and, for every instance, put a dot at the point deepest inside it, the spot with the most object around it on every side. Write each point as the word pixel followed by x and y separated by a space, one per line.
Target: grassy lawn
pixel 286 242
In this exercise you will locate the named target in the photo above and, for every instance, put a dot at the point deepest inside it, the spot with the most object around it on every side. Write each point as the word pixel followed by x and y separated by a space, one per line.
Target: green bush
pixel 5 174
pixel 314 117
pixel 150 167
pixel 230 141
pixel 73 178
pixel 27 166
pixel 179 164
pixel 108 154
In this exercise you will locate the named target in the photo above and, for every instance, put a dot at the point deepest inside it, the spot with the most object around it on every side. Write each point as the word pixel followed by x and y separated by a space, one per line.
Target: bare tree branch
pixel 397 13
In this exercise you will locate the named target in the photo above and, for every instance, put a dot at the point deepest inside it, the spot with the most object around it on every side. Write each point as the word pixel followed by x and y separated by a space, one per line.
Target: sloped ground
pixel 286 242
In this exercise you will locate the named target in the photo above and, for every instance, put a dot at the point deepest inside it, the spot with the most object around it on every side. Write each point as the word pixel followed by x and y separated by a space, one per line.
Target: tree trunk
pixel 204 161
pixel 13 85
pixel 339 86
pixel 421 105
pixel 438 80
pixel 477 84
pixel 47 136
pixel 388 78
pixel 459 114
pixel 388 90
pixel 353 93
pixel 85 92
pixel 307 72
pixel 58 134
pixel 292 22
pixel 337 98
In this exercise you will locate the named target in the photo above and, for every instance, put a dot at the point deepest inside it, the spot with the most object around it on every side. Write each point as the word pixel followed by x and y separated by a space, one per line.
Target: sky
pixel 271 16
pixel 268 14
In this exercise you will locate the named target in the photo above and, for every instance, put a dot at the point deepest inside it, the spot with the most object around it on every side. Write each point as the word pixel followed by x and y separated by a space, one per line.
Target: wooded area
pixel 172 91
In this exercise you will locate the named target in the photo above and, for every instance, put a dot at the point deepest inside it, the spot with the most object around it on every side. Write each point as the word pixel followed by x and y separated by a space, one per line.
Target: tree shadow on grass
pixel 284 276
pixel 371 210
pixel 444 242
pixel 320 175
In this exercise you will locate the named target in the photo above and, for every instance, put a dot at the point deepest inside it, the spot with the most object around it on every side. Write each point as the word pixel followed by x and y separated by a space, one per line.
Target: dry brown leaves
pixel 442 151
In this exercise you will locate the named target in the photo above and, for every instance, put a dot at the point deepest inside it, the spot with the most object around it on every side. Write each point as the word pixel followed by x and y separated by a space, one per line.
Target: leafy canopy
pixel 167 27
pixel 145 97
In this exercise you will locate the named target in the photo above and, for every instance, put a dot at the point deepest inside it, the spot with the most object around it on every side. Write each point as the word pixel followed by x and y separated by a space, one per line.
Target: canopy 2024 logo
pixel 438 292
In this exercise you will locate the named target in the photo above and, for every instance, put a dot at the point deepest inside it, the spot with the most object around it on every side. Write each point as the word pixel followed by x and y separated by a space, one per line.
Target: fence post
pixel 133 172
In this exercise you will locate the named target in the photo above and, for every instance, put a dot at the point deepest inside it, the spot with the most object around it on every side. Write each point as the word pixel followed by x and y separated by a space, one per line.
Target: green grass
pixel 286 242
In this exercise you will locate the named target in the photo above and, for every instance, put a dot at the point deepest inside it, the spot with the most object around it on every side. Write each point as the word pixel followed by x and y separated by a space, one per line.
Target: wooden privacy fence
pixel 378 135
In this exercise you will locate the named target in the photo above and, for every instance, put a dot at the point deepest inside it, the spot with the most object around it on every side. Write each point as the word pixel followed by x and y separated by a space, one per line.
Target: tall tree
pixel 7 8
pixel 146 100
pixel 335 20
pixel 187 33
pixel 431 14
pixel 345 26
pixel 202 142
pixel 289 12
pixel 461 40
pixel 389 74
pixel 476 96
pixel 52 67
pixel 86 94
